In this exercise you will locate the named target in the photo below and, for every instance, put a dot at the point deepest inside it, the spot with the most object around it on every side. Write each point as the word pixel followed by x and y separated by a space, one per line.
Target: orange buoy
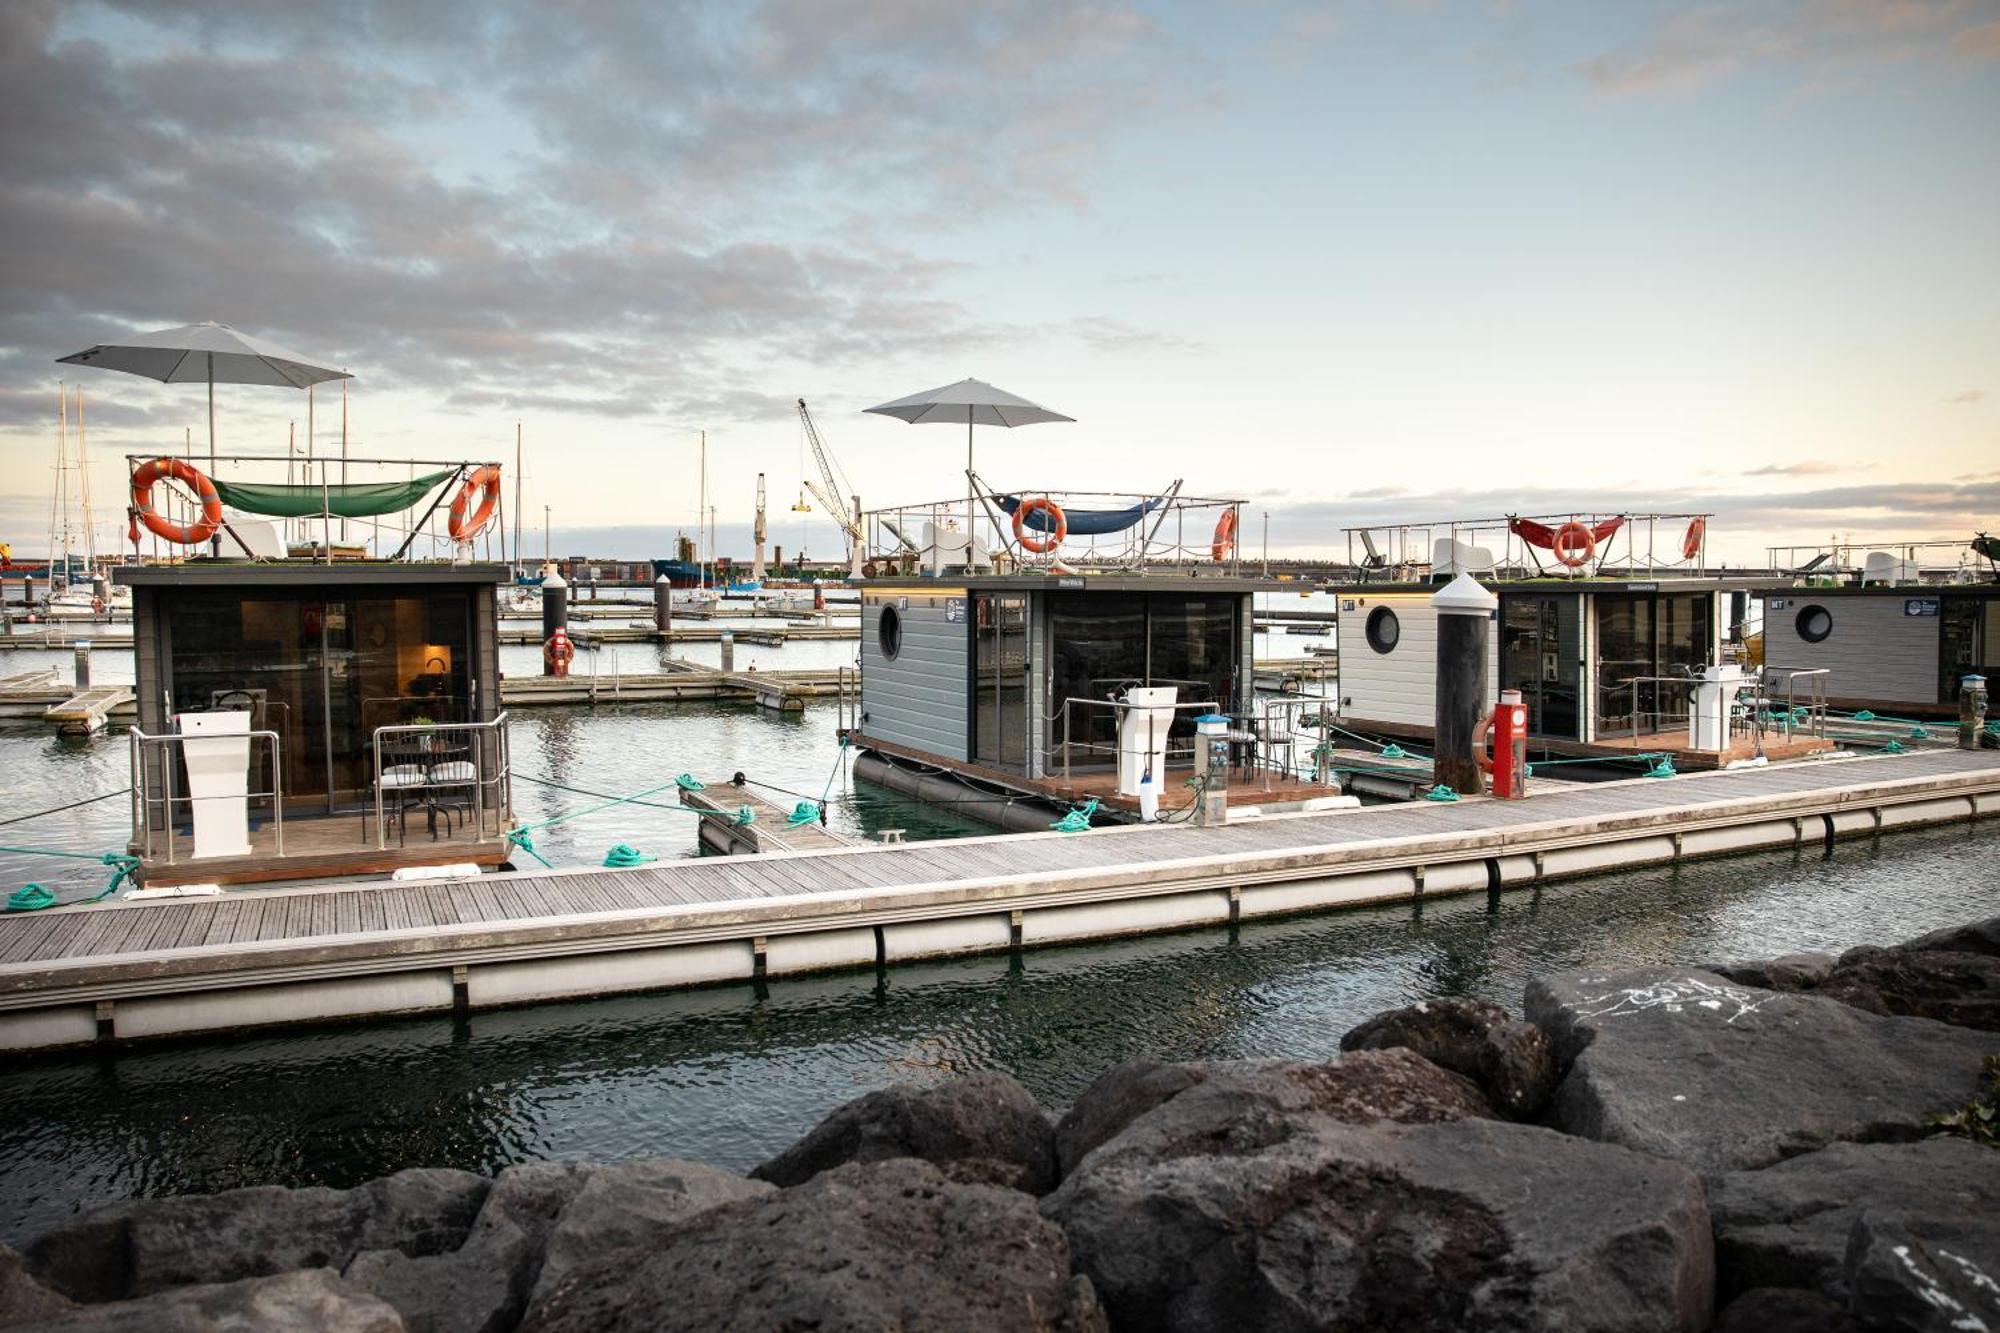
pixel 1574 544
pixel 1058 529
pixel 486 482
pixel 1691 544
pixel 1225 536
pixel 164 469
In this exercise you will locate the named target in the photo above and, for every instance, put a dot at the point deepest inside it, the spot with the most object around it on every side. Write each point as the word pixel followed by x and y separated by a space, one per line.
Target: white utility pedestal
pixel 1714 697
pixel 1142 736
pixel 218 773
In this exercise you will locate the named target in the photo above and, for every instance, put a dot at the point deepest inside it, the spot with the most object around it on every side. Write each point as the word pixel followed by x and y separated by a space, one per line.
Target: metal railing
pixel 1117 707
pixel 165 758
pixel 1786 710
pixel 1662 716
pixel 486 747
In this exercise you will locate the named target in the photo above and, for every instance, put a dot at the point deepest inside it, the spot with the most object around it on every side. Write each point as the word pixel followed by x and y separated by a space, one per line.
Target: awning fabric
pixel 1083 522
pixel 344 501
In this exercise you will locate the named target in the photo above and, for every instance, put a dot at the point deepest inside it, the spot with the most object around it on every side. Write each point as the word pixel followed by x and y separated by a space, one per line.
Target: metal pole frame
pixel 444 490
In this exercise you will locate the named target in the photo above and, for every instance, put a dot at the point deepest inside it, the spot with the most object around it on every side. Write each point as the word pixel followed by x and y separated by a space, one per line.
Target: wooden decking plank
pixel 39 937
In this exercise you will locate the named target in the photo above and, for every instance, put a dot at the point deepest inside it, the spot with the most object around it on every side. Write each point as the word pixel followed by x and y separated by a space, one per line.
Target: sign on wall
pixel 1920 606
pixel 954 610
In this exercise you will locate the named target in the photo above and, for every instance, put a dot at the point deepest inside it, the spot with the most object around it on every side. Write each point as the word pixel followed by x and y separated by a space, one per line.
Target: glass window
pixel 1384 630
pixel 1539 652
pixel 1814 623
pixel 889 632
pixel 1104 643
pixel 1968 644
pixel 1000 681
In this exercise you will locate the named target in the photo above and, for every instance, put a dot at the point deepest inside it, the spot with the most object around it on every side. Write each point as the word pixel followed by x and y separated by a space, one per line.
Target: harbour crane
pixel 836 493
pixel 757 534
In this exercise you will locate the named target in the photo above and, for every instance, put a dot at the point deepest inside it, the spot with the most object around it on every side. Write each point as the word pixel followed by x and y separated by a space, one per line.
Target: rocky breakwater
pixel 1799 1143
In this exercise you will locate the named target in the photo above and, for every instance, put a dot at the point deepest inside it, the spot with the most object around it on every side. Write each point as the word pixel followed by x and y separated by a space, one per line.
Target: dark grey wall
pixel 919 698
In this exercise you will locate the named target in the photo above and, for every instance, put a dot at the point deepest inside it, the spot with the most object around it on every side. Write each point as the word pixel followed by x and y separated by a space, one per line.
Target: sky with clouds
pixel 1355 262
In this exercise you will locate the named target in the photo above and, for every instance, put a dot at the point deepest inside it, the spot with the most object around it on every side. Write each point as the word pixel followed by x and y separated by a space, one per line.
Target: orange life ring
pixel 97 605
pixel 1480 735
pixel 558 651
pixel 1040 545
pixel 1691 544
pixel 1574 544
pixel 485 480
pixel 1225 536
pixel 163 469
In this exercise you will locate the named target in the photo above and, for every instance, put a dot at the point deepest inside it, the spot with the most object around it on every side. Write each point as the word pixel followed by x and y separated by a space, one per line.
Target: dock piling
pixel 663 608
pixel 82 667
pixel 555 613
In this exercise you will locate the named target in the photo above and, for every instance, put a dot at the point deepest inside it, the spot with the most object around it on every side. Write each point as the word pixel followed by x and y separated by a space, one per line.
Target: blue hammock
pixel 1084 522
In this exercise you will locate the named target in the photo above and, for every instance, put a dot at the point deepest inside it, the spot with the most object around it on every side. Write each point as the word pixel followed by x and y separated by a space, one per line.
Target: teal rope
pixel 1078 819
pixel 30 898
pixel 1440 793
pixel 1663 769
pixel 624 856
pixel 805 812
pixel 122 868
pixel 689 782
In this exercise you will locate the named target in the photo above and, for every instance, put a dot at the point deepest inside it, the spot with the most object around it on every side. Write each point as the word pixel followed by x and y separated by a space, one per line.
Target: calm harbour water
pixel 729 1075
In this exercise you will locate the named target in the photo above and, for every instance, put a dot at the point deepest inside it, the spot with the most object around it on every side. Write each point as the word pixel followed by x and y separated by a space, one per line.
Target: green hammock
pixel 363 500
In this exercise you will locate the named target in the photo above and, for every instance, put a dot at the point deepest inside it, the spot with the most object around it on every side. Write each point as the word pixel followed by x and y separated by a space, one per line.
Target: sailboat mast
pixel 702 553
pixel 343 451
pixel 517 501
pixel 83 490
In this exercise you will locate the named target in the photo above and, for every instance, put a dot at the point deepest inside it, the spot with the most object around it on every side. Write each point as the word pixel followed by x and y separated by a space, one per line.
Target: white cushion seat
pixel 403 775
pixel 458 772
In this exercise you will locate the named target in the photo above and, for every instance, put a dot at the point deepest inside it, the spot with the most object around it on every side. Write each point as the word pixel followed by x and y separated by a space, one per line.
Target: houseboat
pixel 1896 630
pixel 304 719
pixel 1614 644
pixel 1012 676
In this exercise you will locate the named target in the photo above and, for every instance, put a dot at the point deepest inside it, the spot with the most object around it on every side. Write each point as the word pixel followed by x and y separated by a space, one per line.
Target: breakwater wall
pixel 1790 1143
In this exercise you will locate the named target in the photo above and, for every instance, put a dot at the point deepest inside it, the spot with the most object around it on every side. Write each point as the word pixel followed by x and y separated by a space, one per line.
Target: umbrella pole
pixel 215 543
pixel 970 499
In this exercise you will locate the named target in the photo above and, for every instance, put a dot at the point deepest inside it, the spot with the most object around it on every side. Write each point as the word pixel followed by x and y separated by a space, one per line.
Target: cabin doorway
pixel 1968 643
pixel 1541 656
pixel 1000 681
pixel 1642 637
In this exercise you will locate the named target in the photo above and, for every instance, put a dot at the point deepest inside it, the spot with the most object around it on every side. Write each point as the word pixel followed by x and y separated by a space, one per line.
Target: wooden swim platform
pixel 85 712
pixel 135 970
pixel 770 829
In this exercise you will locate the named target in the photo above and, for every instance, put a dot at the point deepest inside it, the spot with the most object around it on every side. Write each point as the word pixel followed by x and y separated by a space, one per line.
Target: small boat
pixel 1312 631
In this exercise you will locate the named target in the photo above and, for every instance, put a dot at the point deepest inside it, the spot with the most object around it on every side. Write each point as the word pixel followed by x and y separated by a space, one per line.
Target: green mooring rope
pixel 22 900
pixel 1441 792
pixel 1078 819
pixel 624 856
pixel 521 837
pixel 30 898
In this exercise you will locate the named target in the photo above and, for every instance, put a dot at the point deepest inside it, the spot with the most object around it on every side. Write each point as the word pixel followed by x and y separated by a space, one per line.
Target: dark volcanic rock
pixel 887 1245
pixel 1466 1223
pixel 986 1119
pixel 1901 1282
pixel 1238 1106
pixel 1683 1063
pixel 1783 1310
pixel 1118 1096
pixel 1789 1225
pixel 483 1285
pixel 624 1209
pixel 1982 937
pixel 1788 972
pixel 148 1245
pixel 22 1299
pixel 1951 987
pixel 312 1301
pixel 1511 1061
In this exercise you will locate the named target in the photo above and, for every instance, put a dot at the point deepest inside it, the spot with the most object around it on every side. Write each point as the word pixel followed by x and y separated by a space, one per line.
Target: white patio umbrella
pixel 976 403
pixel 207 352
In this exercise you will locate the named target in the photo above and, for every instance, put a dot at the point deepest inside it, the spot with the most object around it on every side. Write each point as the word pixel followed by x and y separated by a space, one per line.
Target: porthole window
pixel 889 632
pixel 1815 622
pixel 1384 630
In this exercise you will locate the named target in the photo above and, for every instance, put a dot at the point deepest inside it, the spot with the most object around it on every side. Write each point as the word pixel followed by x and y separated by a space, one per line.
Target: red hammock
pixel 1540 534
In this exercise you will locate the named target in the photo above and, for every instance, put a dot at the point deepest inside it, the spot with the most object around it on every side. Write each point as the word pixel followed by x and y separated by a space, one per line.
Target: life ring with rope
pixel 1691 544
pixel 1225 536
pixel 174 469
pixel 1481 736
pixel 485 482
pixel 1057 530
pixel 96 605
pixel 1574 544
pixel 559 652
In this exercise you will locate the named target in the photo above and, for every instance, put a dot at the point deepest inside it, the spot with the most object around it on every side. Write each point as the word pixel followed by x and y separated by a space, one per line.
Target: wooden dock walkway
pixel 123 970
pixel 770 830
pixel 85 712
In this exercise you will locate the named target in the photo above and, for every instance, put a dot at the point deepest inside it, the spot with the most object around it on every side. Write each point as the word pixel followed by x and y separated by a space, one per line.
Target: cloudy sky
pixel 1357 262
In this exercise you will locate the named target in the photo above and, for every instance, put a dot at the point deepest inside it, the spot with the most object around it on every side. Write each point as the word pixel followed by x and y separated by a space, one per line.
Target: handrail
pixel 500 779
pixel 1113 704
pixel 142 802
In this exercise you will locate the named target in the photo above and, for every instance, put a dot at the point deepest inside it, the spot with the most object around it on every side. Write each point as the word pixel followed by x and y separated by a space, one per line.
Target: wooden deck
pixel 318 847
pixel 142 969
pixel 771 829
